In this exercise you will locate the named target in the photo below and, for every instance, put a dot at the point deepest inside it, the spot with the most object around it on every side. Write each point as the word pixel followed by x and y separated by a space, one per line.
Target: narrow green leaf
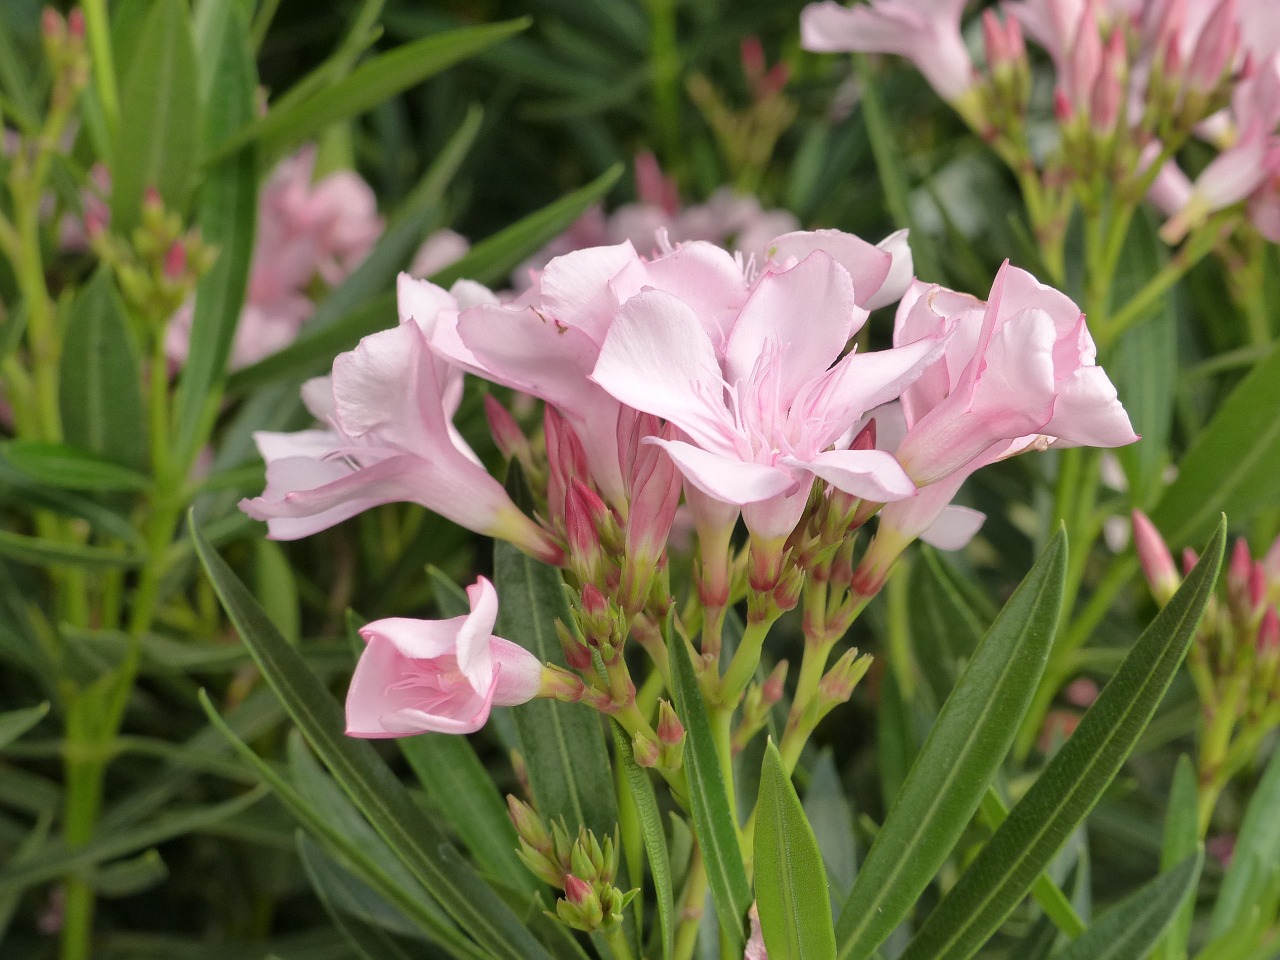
pixel 60 465
pixel 100 388
pixel 458 783
pixel 999 877
pixel 14 723
pixel 1233 465
pixel 965 747
pixel 159 117
pixel 490 260
pixel 1181 840
pixel 227 216
pixel 562 743
pixel 370 84
pixel 713 819
pixel 372 786
pixel 451 600
pixel 57 860
pixel 390 882
pixel 791 884
pixel 38 552
pixel 945 626
pixel 348 902
pixel 1255 865
pixel 1131 928
pixel 127 878
pixel 655 841
pixel 830 813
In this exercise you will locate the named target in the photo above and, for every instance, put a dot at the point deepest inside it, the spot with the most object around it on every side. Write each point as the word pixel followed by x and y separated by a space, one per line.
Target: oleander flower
pixel 1020 371
pixel 416 676
pixel 389 437
pixel 926 32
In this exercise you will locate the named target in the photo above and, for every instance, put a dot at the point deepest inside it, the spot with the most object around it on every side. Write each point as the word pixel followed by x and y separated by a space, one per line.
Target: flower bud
pixel 582 508
pixel 1215 49
pixel 580 907
pixel 838 683
pixel 670 730
pixel 1157 562
pixel 645 751
pixel 775 684
pixel 529 826
pixel 175 262
pixel 506 432
pixel 786 595
pixel 75 23
pixel 560 684
pixel 597 616
pixel 576 653
pixel 1269 631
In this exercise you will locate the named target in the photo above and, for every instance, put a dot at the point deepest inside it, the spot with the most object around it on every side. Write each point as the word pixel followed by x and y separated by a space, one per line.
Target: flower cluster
pixel 688 375
pixel 1133 81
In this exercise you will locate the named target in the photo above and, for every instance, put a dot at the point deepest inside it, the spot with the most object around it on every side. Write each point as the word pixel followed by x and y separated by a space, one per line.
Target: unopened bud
pixel 576 891
pixel 175 261
pixel 506 432
pixel 1257 585
pixel 838 683
pixel 597 617
pixel 529 826
pixel 1238 572
pixel 786 595
pixel 645 751
pixel 581 507
pixel 670 729
pixel 1189 560
pixel 75 23
pixel 576 653
pixel 1157 562
pixel 52 27
pixel 1269 631
pixel 774 685
pixel 560 684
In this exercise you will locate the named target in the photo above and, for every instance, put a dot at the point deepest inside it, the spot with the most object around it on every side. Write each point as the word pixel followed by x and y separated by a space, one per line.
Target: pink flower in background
pixel 1020 371
pixel 926 32
pixel 416 676
pixel 306 230
pixel 761 411
pixel 388 438
pixel 441 249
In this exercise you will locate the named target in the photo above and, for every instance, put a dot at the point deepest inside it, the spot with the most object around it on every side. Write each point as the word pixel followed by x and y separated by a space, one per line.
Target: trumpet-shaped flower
pixel 416 676
pixel 1019 371
pixel 762 413
pixel 926 32
pixel 389 438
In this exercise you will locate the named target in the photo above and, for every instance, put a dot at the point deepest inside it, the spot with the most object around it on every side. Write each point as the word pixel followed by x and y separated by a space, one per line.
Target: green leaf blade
pixel 965 747
pixel 1074 780
pixel 791 883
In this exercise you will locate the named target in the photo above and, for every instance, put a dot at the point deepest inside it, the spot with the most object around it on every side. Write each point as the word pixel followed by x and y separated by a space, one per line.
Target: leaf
pixel 160 120
pixel 1255 864
pixel 126 878
pixel 39 552
pixel 374 789
pixel 59 465
pixel 1181 840
pixel 791 884
pixel 1130 929
pixel 100 392
pixel 227 215
pixel 964 749
pixel 491 259
pixel 945 627
pixel 713 818
pixel 14 723
pixel 1233 465
pixel 562 743
pixel 370 84
pixel 655 842
pixel 1067 789
pixel 56 860
pixel 829 812
pixel 386 880
pixel 347 901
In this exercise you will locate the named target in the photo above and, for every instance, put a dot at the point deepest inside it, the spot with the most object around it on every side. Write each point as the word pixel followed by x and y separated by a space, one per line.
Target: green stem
pixel 692 905
pixel 665 62
pixel 616 937
pixel 98 30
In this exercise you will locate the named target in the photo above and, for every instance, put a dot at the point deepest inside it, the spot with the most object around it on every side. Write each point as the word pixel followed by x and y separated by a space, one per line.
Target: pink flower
pixel 757 394
pixel 417 676
pixel 389 438
pixel 926 32
pixel 1019 372
pixel 755 946
pixel 441 249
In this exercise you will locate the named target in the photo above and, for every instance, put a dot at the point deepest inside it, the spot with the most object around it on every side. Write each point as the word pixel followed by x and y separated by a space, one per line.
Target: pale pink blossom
pixel 926 32
pixel 388 437
pixel 306 231
pixel 416 676
pixel 1020 371
pixel 441 249
pixel 755 945
pixel 758 397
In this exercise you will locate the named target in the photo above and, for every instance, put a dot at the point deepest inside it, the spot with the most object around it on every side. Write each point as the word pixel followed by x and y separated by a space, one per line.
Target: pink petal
pixel 473 655
pixel 1088 412
pixel 901 272
pixel 806 314
pixel 873 475
pixel 954 528
pixel 575 288
pixel 729 481
pixel 867 265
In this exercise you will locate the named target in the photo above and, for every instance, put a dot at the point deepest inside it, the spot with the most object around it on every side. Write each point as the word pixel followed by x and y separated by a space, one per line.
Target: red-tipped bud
pixel 597 618
pixel 559 684
pixel 670 729
pixel 1081 692
pixel 529 826
pixel 1062 111
pixel 786 595
pixel 1015 42
pixel 1189 560
pixel 1157 562
pixel 1257 585
pixel 175 261
pixel 994 39
pixel 774 685
pixel 75 23
pixel 753 65
pixel 584 515
pixel 1215 48
pixel 1109 90
pixel 152 202
pixel 566 459
pixel 52 27
pixel 1238 570
pixel 506 431
pixel 775 81
pixel 576 891
pixel 576 653
pixel 645 751
pixel 837 684
pixel 866 438
pixel 1269 631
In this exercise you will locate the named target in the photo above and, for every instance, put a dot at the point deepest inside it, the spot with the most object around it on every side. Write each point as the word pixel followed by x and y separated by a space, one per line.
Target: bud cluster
pixel 583 867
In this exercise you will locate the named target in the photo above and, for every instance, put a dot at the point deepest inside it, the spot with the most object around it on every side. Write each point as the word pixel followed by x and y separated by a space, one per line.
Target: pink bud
pixel 1238 569
pixel 1257 585
pixel 1157 562
pixel 994 39
pixel 75 23
pixel 653 187
pixel 1269 630
pixel 1081 692
pixel 566 459
pixel 1189 560
pixel 1215 48
pixel 576 891
pixel 752 52
pixel 1015 42
pixel 1062 111
pixel 584 516
pixel 1084 61
pixel 52 26
pixel 772 689
pixel 1109 90
pixel 775 81
pixel 645 751
pixel 151 199
pixel 175 261
pixel 670 730
pixel 1271 562
pixel 866 438
pixel 506 431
